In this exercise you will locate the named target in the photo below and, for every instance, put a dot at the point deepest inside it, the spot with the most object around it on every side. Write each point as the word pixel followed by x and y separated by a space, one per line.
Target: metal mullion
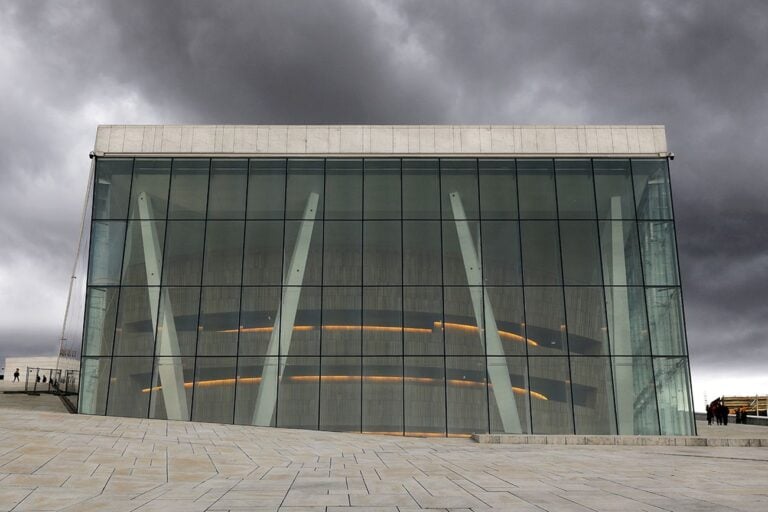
pixel 322 293
pixel 160 289
pixel 362 280
pixel 120 292
pixel 402 299
pixel 200 295
pixel 242 274
pixel 605 302
pixel 562 296
pixel 645 298
pixel 522 288
pixel 482 292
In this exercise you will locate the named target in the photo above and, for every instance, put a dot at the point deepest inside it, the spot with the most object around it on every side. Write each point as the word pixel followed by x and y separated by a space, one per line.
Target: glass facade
pixel 416 296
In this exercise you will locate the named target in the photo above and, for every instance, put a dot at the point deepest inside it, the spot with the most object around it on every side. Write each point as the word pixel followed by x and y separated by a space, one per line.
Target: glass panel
pixel 575 189
pixel 251 372
pixel 545 321
pixel 421 198
pixel 421 252
pixel 652 190
pixel 635 396
pixel 340 394
pixel 149 191
pixel 342 253
pixel 627 323
pixel 458 259
pixel 183 253
pixel 296 234
pixel 100 313
pixel 424 396
pixel 111 187
pixel 226 199
pixel 673 387
pixel 107 238
pixel 219 316
pixel 550 395
pixel 129 387
pixel 297 393
pixel 172 400
pixel 305 336
pixel 223 252
pixel 94 379
pixel 506 307
pixel 178 319
pixel 382 189
pixel 505 416
pixel 136 321
pixel 541 252
pixel 592 386
pixel 342 319
pixel 382 321
pixel 214 389
pixel 536 182
pixel 258 313
pixel 382 255
pixel 189 189
pixel 462 336
pixel 343 189
pixel 659 253
pixel 382 395
pixel 422 318
pixel 467 395
pixel 665 314
pixel 266 189
pixel 581 252
pixel 501 253
pixel 305 185
pixel 263 260
pixel 459 188
pixel 498 189
pixel 613 185
pixel 143 253
pixel 587 325
pixel 620 252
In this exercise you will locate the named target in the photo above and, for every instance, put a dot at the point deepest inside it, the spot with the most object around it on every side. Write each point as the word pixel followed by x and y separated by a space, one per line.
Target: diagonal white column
pixel 286 317
pixel 498 370
pixel 169 369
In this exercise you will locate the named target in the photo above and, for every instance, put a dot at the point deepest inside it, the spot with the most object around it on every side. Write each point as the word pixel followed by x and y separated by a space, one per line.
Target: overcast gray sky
pixel 699 67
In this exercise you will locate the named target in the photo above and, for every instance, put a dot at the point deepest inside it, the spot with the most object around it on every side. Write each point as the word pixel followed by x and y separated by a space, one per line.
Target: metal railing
pixel 52 380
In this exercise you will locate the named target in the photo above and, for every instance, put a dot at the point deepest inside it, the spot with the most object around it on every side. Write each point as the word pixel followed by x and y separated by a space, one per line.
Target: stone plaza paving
pixel 58 461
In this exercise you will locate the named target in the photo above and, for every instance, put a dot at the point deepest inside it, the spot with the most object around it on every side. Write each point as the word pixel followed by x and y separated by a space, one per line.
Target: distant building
pixel 420 280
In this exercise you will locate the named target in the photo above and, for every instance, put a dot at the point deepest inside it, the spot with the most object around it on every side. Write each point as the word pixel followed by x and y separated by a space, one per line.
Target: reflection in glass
pixel 214 399
pixel 592 385
pixel 501 253
pixel 342 253
pixel 305 178
pixel 305 337
pixel 266 188
pixel 111 187
pixel 550 377
pixel 219 326
pixel 575 189
pixel 462 334
pixel 665 315
pixel 259 309
pixel 226 199
pixel 613 186
pixel 517 367
pixel 149 190
pixel 421 185
pixel 460 257
pixel 143 253
pixel 297 233
pixel 129 385
pixel 581 253
pixel 506 306
pixel 343 188
pixel 382 398
pixel 659 252
pixel 423 318
pixel 136 321
pixel 536 182
pixel 171 400
pixel 587 325
pixel 424 396
pixel 94 380
pixel 635 395
pixel 421 253
pixel 189 189
pixel 498 189
pixel 545 321
pixel 382 256
pixel 382 188
pixel 673 389
pixel 107 238
pixel 223 261
pixel 251 373
pixel 298 393
pixel 458 182
pixel 263 259
pixel 620 253
pixel 340 394
pixel 177 324
pixel 183 253
pixel 467 398
pixel 627 322
pixel 100 313
pixel 541 252
pixel 342 320
pixel 652 191
pixel 382 320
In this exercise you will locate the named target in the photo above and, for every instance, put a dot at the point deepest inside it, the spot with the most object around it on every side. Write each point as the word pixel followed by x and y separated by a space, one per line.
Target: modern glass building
pixel 417 280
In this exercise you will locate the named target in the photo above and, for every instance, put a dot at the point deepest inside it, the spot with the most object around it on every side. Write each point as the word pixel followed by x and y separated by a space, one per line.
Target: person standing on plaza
pixel 709 414
pixel 16 376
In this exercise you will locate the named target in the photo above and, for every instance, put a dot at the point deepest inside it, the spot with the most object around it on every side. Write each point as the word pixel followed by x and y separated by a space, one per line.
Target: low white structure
pixel 47 362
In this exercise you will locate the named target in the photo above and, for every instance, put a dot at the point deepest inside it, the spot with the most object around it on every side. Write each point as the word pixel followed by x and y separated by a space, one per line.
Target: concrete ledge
pixel 621 440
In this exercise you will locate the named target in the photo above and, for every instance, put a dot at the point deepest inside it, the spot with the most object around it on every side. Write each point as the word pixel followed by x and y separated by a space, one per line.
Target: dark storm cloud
pixel 699 67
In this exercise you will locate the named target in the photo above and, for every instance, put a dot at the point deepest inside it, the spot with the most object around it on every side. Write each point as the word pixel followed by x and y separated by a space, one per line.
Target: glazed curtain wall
pixel 416 296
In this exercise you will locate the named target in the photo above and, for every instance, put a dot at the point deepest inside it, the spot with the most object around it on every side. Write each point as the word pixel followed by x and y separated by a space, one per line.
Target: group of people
pixel 719 412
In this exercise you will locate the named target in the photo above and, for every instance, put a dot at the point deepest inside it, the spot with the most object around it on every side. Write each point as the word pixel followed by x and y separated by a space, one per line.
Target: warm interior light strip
pixel 392 379
pixel 474 328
